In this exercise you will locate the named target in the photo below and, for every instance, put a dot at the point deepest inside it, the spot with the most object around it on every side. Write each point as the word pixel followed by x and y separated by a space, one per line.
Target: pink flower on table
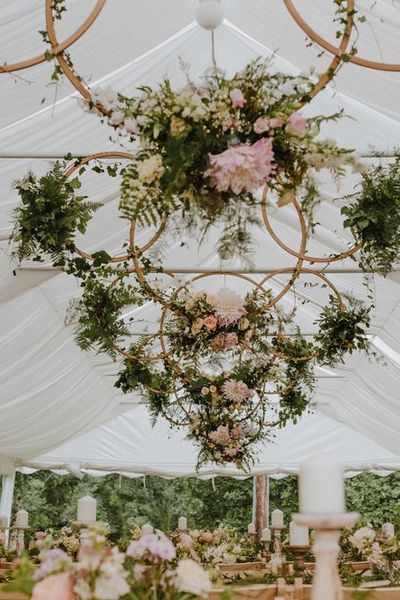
pixel 297 124
pixel 210 322
pixel 236 391
pixel 186 540
pixel 231 339
pixel 237 97
pixel 158 546
pixel 242 168
pixel 55 587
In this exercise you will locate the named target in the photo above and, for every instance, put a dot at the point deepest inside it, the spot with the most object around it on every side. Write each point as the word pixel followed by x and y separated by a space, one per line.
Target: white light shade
pixel 298 535
pixel 209 15
pixel 182 523
pixel 87 507
pixel 22 519
pixel 277 519
pixel 266 535
pixel 321 486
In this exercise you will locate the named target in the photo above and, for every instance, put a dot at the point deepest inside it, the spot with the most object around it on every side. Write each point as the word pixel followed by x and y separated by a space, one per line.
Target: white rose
pixel 191 578
pixel 362 537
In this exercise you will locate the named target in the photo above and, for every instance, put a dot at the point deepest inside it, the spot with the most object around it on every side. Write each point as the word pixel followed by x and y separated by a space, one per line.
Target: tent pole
pixel 6 500
pixel 260 503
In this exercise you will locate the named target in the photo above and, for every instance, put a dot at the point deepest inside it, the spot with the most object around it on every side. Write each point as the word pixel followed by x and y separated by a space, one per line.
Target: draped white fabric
pixel 50 391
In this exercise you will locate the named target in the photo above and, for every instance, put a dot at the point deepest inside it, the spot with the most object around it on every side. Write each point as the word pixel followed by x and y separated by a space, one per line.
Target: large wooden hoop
pixel 59 47
pixel 301 255
pixel 75 167
pixel 313 35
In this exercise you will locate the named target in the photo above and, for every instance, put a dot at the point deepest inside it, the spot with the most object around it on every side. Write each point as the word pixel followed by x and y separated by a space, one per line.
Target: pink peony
pixel 236 391
pixel 238 100
pixel 55 587
pixel 221 435
pixel 242 168
pixel 231 339
pixel 297 124
pixel 210 322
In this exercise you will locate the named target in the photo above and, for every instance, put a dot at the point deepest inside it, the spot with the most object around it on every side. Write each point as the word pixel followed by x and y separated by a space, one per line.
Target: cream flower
pixel 229 307
pixel 192 579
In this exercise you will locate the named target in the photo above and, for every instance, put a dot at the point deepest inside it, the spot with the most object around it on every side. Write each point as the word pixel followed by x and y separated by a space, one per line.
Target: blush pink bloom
pixel 242 168
pixel 221 435
pixel 237 432
pixel 238 100
pixel 55 587
pixel 265 124
pixel 210 322
pixel 231 339
pixel 186 540
pixel 297 124
pixel 236 391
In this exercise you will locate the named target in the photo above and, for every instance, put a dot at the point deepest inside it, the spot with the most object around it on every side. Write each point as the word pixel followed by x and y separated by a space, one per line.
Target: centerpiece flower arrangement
pixel 149 569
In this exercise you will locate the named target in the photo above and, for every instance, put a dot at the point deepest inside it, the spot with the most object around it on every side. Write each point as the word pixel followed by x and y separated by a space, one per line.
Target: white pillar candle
pixel 388 530
pixel 266 535
pixel 86 510
pixel 251 529
pixel 146 529
pixel 182 523
pixel 21 519
pixel 277 519
pixel 298 535
pixel 321 486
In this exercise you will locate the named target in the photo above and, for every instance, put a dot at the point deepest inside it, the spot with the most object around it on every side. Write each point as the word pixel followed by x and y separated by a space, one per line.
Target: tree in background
pixel 51 500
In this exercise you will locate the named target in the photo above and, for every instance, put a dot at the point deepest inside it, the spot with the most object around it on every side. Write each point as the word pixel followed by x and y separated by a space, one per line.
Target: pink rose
pixel 238 100
pixel 261 125
pixel 55 587
pixel 275 123
pixel 231 339
pixel 210 322
pixel 297 124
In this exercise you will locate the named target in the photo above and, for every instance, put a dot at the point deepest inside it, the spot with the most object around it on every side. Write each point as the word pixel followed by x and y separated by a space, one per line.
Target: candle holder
pixel 326 581
pixel 20 542
pixel 83 527
pixel 276 558
pixel 298 556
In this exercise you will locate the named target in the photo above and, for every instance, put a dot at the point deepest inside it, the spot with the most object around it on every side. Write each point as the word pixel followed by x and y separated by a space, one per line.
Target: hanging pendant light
pixel 209 14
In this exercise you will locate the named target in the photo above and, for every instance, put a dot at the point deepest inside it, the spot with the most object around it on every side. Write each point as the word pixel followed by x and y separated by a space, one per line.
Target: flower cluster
pixel 381 547
pixel 147 570
pixel 207 147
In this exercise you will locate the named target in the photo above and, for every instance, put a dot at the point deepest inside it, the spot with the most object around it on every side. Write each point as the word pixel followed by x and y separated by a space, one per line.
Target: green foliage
pixel 49 215
pixel 373 215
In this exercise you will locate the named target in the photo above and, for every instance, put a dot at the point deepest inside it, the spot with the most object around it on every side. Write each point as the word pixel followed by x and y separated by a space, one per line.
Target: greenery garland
pixel 373 216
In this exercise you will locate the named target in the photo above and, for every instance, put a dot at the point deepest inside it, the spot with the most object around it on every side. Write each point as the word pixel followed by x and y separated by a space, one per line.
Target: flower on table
pixel 157 546
pixel 54 587
pixel 242 168
pixel 362 538
pixel 191 578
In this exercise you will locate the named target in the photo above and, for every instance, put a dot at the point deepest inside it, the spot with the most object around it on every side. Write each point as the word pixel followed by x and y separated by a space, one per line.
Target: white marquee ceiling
pixel 50 391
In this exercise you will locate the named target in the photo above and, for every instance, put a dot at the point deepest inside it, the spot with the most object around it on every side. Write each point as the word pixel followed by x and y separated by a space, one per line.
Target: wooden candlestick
pixel 298 556
pixel 326 581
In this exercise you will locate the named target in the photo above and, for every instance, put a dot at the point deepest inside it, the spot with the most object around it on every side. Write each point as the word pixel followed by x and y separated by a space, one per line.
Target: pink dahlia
pixel 242 168
pixel 229 307
pixel 236 391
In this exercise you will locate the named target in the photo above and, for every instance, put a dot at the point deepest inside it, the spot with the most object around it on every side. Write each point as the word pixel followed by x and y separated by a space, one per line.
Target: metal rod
pixel 255 271
pixel 58 156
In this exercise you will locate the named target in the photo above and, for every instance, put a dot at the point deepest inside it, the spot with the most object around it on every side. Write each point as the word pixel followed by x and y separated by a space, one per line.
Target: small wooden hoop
pixel 313 35
pixel 59 47
pixel 84 161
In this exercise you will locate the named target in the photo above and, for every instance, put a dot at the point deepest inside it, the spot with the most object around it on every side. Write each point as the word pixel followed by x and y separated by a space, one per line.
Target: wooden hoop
pixel 313 35
pixel 84 161
pixel 59 47
pixel 301 255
